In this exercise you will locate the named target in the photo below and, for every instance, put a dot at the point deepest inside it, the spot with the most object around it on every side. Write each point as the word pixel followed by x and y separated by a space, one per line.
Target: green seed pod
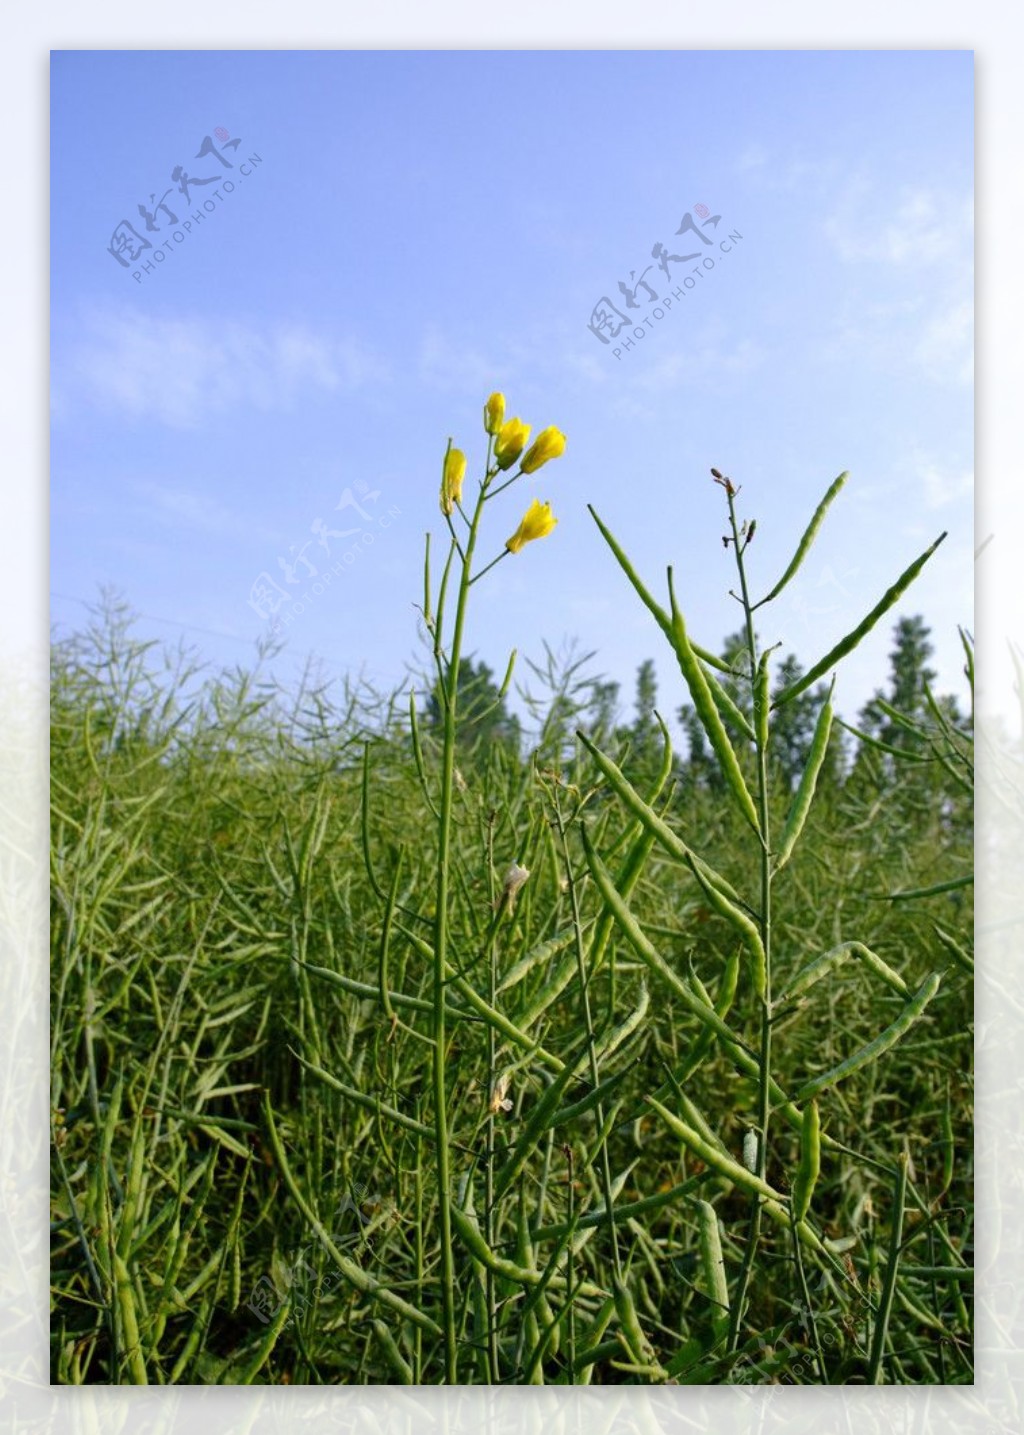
pixel 393 1355
pixel 531 1326
pixel 882 1042
pixel 810 1162
pixel 806 540
pixel 564 970
pixel 808 782
pixel 712 1156
pixel 660 830
pixel 750 1151
pixel 125 1299
pixel 533 1129
pixel 640 1347
pixel 726 995
pixel 469 1233
pixel 534 957
pixel 655 609
pixel 889 598
pixel 713 1267
pixel 611 1043
pixel 132 1194
pixel 829 961
pixel 552 1327
pixel 590 1342
pixel 700 693
pixel 593 1098
pixel 695 1118
pixel 762 703
pixel 956 951
pixel 746 928
pixel 645 949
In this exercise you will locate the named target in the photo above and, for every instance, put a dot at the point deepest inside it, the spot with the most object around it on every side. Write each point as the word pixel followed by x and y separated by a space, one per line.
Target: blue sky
pixel 422 228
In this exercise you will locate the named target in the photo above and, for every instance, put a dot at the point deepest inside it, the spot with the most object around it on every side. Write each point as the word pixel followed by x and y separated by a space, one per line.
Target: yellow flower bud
pixel 451 480
pixel 538 522
pixel 512 439
pixel 494 413
pixel 549 443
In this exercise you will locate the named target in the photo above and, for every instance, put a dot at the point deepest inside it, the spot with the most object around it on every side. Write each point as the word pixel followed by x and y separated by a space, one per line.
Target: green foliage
pixel 486 721
pixel 244 996
pixel 909 677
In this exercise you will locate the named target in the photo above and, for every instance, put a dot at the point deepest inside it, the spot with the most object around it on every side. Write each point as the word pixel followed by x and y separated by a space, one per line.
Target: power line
pixel 152 618
pixel 250 643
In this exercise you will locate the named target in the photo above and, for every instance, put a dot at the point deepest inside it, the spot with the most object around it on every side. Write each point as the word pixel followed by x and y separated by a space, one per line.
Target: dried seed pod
pixel 500 1100
pixel 514 879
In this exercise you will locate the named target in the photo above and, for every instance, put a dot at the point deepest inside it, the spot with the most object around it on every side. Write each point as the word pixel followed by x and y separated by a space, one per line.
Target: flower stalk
pixel 757 670
pixel 506 442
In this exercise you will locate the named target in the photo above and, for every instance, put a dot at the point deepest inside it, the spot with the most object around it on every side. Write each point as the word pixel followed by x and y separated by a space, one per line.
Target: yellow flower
pixel 512 439
pixel 549 443
pixel 451 481
pixel 494 413
pixel 538 522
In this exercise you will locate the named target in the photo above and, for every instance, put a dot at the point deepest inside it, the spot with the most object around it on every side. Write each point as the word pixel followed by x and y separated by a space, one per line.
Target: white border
pixel 995 1402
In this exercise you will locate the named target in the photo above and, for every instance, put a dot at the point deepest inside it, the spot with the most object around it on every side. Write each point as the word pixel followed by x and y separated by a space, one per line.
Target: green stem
pixel 595 1075
pixel 765 925
pixel 489 1281
pixel 503 554
pixel 812 1324
pixel 450 702
pixel 875 1374
pixel 502 486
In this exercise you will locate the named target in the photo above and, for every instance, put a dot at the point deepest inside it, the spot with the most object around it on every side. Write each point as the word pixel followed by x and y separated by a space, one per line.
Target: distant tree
pixel 909 665
pixel 736 654
pixel 902 717
pixel 601 711
pixel 645 726
pixel 643 736
pixel 908 674
pixel 793 724
pixel 567 697
pixel 483 716
pixel 700 771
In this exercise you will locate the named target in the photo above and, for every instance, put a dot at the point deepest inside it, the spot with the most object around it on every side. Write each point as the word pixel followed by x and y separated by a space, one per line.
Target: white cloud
pixel 930 332
pixel 586 364
pixel 754 157
pixel 190 510
pixel 446 363
pixel 719 353
pixel 784 173
pixel 943 486
pixel 915 226
pixel 183 371
pixel 945 346
pixel 705 360
pixel 525 364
